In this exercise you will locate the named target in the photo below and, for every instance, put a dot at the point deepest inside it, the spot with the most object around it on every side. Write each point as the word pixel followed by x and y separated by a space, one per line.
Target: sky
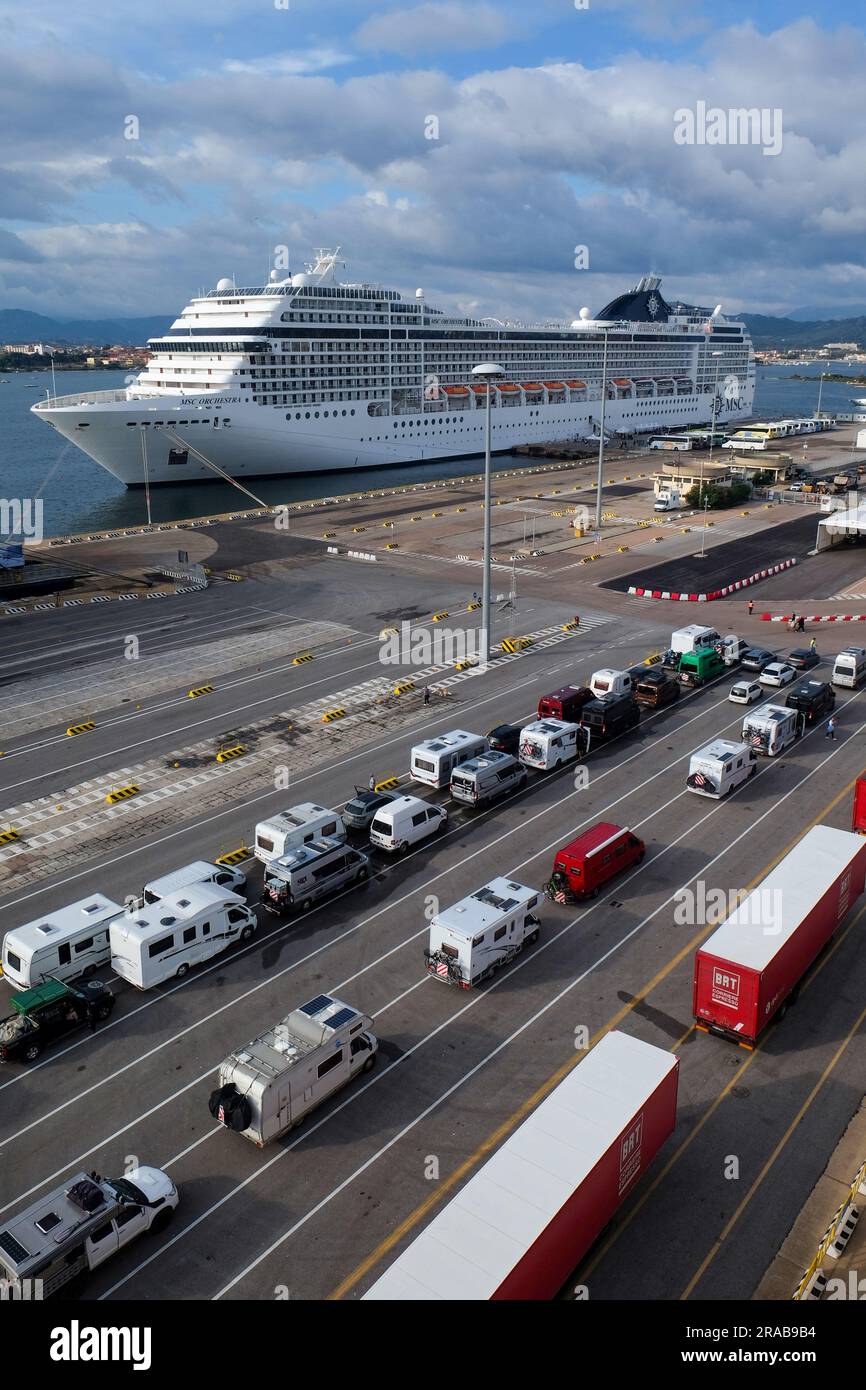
pixel 513 159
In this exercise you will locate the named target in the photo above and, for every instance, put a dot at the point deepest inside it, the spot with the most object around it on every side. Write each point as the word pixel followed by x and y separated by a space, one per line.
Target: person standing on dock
pixel 813 645
pixel 831 729
pixel 751 606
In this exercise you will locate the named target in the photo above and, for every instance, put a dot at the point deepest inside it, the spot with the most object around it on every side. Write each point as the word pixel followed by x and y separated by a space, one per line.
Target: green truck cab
pixel 696 668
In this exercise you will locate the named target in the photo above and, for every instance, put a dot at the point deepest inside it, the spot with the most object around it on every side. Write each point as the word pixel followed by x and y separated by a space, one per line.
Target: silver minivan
pixel 294 881
pixel 484 778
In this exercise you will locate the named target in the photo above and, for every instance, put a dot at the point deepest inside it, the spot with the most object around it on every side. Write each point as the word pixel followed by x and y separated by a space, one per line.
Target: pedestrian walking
pixel 831 729
pixel 813 646
pixel 751 606
pixel 801 624
pixel 372 782
pixel 426 694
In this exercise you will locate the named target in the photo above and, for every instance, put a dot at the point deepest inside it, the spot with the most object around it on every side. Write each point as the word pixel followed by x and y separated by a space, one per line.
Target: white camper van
pixel 434 760
pixel 64 944
pixel 608 684
pixel 401 823
pixel 486 777
pixel 669 499
pixel 694 638
pixel 771 729
pixel 721 767
pixel 294 881
pixel 183 929
pixel 297 826
pixel 849 668
pixel 472 939
pixel 202 871
pixel 547 743
pixel 268 1086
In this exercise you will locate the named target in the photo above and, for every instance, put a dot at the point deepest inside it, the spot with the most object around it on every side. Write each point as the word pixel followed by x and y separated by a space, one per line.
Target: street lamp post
pixel 701 493
pixel 487 371
pixel 820 390
pixel 600 482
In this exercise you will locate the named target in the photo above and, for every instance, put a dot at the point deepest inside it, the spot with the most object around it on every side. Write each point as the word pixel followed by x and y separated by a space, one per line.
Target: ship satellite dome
pixel 300 280
pixel 274 275
pixel 585 314
pixel 224 285
pixel 419 294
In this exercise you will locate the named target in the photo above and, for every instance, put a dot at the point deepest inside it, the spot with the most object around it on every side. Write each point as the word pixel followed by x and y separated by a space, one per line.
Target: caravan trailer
pixel 183 929
pixel 433 761
pixel 64 944
pixel 471 940
pixel 295 827
pixel 268 1086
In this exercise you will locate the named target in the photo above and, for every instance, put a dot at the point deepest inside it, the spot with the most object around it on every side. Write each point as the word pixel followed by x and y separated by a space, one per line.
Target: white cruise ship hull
pixel 257 441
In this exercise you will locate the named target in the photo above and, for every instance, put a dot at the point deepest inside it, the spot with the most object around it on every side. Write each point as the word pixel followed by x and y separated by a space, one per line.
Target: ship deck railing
pixel 83 398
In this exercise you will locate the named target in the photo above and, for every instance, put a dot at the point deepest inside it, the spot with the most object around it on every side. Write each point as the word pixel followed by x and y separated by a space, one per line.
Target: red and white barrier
pixel 815 617
pixel 714 593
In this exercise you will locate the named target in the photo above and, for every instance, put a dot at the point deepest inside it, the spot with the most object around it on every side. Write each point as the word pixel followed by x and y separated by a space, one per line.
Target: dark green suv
pixel 49 1012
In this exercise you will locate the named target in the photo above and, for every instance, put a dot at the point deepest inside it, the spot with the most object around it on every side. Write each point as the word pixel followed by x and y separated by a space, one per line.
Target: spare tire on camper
pixel 233 1110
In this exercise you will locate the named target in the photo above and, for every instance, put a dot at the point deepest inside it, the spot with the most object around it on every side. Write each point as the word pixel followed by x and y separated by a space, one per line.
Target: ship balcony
pixel 79 398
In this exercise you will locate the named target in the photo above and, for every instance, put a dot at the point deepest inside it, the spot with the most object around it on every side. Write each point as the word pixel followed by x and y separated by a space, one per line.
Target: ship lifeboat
pixel 555 387
pixel 452 391
pixel 532 388
pixel 479 390
pixel 576 385
pixel 622 381
pixel 507 387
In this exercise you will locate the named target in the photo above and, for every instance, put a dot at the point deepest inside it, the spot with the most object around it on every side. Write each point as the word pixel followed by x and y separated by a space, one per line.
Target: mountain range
pixel 24 326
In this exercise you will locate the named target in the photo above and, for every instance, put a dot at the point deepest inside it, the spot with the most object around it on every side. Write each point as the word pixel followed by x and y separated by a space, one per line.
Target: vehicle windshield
pixel 127 1191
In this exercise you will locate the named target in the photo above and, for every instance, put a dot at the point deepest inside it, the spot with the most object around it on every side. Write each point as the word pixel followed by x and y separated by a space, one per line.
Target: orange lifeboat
pixel 576 385
pixel 456 390
pixel 622 381
pixel 532 388
pixel 555 385
pixel 508 387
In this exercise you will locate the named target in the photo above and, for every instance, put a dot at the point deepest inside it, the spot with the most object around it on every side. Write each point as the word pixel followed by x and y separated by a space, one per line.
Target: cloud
pixel 437 26
pixel 299 63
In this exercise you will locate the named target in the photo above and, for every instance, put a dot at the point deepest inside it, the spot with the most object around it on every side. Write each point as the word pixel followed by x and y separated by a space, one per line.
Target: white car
pixel 777 673
pixel 745 693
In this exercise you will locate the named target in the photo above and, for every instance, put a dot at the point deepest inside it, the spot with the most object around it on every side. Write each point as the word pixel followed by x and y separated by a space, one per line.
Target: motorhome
pixel 294 881
pixel 849 668
pixel 268 1086
pixel 721 767
pixel 565 703
pixel 698 667
pixel 547 743
pixel 486 777
pixel 183 929
pixel 583 866
pixel 297 826
pixel 433 761
pixel 202 871
pixel 607 684
pixel 65 944
pixel 669 499
pixel 608 718
pixel 79 1225
pixel 471 940
pixel 771 729
pixel 694 638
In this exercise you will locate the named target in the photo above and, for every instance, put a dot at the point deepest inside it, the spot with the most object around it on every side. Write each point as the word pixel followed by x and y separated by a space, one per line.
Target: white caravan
pixel 547 743
pixel 694 638
pixel 64 944
pixel 771 729
pixel 202 871
pixel 608 684
pixel 721 767
pixel 297 826
pixel 268 1086
pixel 472 939
pixel 182 930
pixel 434 760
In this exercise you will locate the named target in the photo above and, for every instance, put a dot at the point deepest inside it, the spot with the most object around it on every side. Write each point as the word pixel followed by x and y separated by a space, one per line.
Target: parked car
pixel 358 813
pixel 48 1012
pixel 746 692
pixel 777 673
pixel 813 699
pixel 803 659
pixel 756 658
pixel 505 738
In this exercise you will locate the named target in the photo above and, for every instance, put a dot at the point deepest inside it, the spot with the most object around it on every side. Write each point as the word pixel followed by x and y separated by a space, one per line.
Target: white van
pixel 266 1087
pixel 221 875
pixel 771 729
pixel 608 684
pixel 484 778
pixel 849 668
pixel 404 821
pixel 434 760
pixel 183 929
pixel 297 826
pixel 694 638
pixel 721 767
pixel 64 944
pixel 548 743
pixel 472 939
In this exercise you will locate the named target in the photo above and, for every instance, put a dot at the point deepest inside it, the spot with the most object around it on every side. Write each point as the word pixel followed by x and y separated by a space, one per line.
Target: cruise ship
pixel 307 374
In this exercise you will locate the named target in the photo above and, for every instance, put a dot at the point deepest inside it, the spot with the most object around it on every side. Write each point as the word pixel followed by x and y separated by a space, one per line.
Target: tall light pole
pixel 820 389
pixel 712 441
pixel 600 481
pixel 486 371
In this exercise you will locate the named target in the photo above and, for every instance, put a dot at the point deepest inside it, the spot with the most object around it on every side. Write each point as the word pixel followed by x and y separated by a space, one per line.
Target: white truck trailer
pixel 471 940
pixel 269 1086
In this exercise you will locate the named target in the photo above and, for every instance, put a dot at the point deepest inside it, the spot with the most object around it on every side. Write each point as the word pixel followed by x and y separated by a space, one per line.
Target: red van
pixel 584 866
pixel 566 703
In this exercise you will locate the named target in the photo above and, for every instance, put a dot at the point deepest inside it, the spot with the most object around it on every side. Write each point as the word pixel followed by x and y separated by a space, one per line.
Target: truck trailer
pixel 751 966
pixel 520 1226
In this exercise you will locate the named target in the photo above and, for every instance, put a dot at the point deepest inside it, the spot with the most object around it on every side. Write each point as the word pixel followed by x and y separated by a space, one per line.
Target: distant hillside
pixel 769 332
pixel 22 326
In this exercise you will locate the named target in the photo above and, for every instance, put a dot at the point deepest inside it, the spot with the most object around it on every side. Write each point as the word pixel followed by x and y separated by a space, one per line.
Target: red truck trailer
pixel 747 970
pixel 521 1225
pixel 858 818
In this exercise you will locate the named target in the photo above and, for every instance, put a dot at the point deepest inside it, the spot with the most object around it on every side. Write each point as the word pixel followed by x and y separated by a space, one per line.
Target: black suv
pixel 812 698
pixel 359 812
pixel 48 1012
pixel 607 718
pixel 505 738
